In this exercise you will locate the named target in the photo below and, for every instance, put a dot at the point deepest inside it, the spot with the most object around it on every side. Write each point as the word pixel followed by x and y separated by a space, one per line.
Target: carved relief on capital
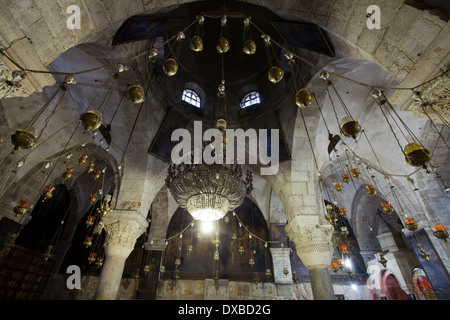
pixel 313 244
pixel 122 234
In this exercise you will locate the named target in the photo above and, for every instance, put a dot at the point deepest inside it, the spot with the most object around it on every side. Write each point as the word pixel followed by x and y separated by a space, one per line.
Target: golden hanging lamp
pixel 350 127
pixel 196 44
pixel 275 74
pixel 196 41
pixel 410 224
pixel 416 155
pixel 249 47
pixel 223 45
pixel 303 98
pixel 136 94
pixel 170 67
pixel 48 193
pixel 68 173
pixel 21 208
pixel 25 138
pixel 370 190
pixel 91 120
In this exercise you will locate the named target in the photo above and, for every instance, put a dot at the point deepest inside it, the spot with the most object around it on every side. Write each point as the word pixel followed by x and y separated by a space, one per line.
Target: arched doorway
pixel 391 288
pixel 423 290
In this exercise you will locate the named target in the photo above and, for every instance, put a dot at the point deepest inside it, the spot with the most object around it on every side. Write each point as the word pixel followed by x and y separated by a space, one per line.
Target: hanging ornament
pixel 345 177
pixel 324 75
pixel 25 138
pixel 92 257
pixel 355 173
pixel 303 98
pixel 196 41
pixel 93 198
pixel 90 221
pixel 170 67
pixel 48 193
pixel 82 159
pixel 70 80
pixel 275 74
pixel 344 249
pixel 136 94
pixel 68 173
pixel 99 262
pixel 416 155
pixel 440 232
pixel 343 212
pixel 88 242
pixel 97 174
pixel 21 208
pixel 223 45
pixel 249 45
pixel 91 120
pixel 334 267
pixel 339 187
pixel 386 207
pixel 344 231
pixel 90 167
pixel 196 44
pixel 370 189
pixel 350 127
pixel 410 224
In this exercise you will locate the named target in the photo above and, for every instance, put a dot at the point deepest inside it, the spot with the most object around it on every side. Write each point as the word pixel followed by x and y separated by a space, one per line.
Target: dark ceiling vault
pixel 240 70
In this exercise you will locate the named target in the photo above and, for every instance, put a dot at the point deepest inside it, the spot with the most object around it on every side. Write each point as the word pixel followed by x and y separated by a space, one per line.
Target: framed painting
pixel 162 144
pixel 269 120
pixel 143 27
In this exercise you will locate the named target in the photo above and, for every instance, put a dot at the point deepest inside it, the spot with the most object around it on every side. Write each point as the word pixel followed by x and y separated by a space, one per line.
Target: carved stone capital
pixel 312 241
pixel 122 230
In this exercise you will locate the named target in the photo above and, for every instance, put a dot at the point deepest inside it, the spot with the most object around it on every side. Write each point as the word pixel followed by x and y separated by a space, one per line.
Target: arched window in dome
pixel 191 97
pixel 250 99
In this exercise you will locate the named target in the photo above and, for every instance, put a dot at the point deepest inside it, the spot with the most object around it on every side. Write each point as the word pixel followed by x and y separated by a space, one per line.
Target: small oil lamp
pixel 355 173
pixel 370 189
pixel 386 207
pixel 21 208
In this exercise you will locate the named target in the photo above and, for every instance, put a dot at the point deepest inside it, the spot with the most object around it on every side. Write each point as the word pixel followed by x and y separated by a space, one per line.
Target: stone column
pixel 122 230
pixel 314 248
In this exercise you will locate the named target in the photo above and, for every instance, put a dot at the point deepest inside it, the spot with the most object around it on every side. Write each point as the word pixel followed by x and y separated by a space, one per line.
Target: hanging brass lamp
pixel 349 127
pixel 275 74
pixel 91 120
pixel 249 47
pixel 196 44
pixel 22 208
pixel 416 155
pixel 170 67
pixel 440 232
pixel 303 98
pixel 25 138
pixel 136 94
pixel 410 224
pixel 223 45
